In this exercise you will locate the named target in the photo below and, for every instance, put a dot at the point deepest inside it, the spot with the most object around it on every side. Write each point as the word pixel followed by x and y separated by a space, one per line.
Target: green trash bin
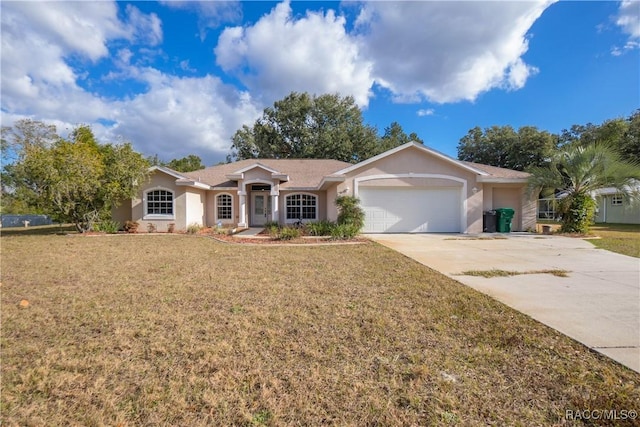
pixel 505 216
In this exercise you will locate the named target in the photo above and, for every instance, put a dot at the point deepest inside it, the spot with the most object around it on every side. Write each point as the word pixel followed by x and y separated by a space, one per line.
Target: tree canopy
pixel 75 180
pixel 502 146
pixel 189 163
pixel 529 147
pixel 304 126
pixel 621 134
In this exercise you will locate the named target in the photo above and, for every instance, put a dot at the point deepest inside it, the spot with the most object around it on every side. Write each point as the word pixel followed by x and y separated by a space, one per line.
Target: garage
pixel 411 209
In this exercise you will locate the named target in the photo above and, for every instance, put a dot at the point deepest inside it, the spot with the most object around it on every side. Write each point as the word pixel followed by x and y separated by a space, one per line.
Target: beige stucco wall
pixel 442 173
pixel 160 180
pixel 211 211
pixel 513 196
pixel 195 206
pixel 257 174
pixel 331 210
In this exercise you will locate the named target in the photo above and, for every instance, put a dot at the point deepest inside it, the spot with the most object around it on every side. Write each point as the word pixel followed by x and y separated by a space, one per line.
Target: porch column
pixel 243 207
pixel 275 213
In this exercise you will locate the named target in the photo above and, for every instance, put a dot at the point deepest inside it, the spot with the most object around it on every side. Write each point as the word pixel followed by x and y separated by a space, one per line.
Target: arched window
pixel 302 206
pixel 159 203
pixel 224 207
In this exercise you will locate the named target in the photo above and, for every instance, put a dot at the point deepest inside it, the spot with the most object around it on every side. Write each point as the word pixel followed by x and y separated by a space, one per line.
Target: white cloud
pixel 442 52
pixel 180 116
pixel 426 112
pixel 280 54
pixel 629 18
pixel 447 51
pixel 146 28
pixel 173 117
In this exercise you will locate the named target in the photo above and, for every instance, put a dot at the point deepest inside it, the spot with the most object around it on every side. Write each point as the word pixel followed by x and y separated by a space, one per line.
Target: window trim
pixel 216 206
pixel 293 220
pixel 145 200
pixel 617 200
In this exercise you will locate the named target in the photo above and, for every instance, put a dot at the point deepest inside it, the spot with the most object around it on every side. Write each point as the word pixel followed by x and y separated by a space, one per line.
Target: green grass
pixel 620 238
pixel 183 330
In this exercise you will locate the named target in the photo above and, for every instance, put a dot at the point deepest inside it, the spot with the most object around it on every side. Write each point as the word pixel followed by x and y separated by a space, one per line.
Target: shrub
pixel 344 231
pixel 107 226
pixel 171 228
pixel 578 212
pixel 223 231
pixel 273 228
pixel 151 228
pixel 131 226
pixel 350 212
pixel 320 228
pixel 193 228
pixel 288 233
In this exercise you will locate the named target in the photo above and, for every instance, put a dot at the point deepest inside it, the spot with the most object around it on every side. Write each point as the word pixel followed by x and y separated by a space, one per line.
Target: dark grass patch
pixel 504 273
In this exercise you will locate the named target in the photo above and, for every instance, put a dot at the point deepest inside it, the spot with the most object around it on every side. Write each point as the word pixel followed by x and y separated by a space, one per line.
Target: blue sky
pixel 179 78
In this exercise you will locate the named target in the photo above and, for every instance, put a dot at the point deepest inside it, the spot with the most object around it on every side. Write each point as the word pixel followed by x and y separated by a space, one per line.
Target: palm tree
pixel 577 171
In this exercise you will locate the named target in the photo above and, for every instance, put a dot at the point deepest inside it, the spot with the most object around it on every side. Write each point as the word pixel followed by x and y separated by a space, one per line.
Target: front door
pixel 261 208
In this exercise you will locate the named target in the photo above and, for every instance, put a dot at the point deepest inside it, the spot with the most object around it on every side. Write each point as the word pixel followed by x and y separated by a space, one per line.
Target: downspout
pixel 604 208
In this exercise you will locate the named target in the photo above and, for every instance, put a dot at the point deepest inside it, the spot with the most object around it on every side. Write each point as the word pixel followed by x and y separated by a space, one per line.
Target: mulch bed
pixel 268 240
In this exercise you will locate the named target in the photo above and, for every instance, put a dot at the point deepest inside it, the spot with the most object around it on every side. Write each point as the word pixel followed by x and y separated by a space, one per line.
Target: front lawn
pixel 621 238
pixel 183 330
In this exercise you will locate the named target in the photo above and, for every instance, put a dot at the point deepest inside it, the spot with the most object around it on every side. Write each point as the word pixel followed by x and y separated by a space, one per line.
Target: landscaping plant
pixel 350 212
pixel 576 172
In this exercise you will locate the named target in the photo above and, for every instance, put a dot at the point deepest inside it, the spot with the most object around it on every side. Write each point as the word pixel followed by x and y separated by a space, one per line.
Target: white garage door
pixel 411 209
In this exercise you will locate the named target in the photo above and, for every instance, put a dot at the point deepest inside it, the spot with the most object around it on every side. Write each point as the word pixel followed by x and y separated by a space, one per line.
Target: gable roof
pixel 302 173
pixel 316 174
pixel 406 146
pixel 496 174
pixel 167 171
pixel 181 179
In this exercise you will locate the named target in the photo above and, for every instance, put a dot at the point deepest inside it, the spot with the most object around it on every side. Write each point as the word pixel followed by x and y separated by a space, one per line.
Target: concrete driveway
pixel 597 305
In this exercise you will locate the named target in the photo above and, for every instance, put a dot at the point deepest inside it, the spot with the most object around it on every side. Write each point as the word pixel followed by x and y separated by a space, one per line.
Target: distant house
pixel 410 188
pixel 615 208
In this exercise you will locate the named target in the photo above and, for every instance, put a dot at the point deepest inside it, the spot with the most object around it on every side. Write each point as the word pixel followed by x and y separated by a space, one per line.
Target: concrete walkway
pixel 251 232
pixel 597 305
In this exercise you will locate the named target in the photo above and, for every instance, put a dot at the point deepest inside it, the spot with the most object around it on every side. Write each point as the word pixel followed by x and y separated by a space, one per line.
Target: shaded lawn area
pixel 621 238
pixel 183 330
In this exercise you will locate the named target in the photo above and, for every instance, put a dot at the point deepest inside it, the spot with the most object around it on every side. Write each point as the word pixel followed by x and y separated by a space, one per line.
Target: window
pixel 302 206
pixel 224 207
pixel 616 200
pixel 159 202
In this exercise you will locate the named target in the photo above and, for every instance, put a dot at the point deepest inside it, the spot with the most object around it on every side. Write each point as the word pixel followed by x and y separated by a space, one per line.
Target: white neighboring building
pixel 615 208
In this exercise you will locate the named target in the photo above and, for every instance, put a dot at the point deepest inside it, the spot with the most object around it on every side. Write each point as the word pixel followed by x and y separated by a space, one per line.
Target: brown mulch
pixel 268 240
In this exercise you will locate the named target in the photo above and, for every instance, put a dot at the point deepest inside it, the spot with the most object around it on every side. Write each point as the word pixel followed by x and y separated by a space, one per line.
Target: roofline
pixel 168 171
pixel 404 147
pixel 195 184
pixel 498 180
pixel 223 188
pixel 254 165
pixel 330 180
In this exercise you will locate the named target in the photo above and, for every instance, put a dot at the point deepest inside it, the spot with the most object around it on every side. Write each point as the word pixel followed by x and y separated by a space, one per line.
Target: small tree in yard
pixel 350 217
pixel 75 180
pixel 578 171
